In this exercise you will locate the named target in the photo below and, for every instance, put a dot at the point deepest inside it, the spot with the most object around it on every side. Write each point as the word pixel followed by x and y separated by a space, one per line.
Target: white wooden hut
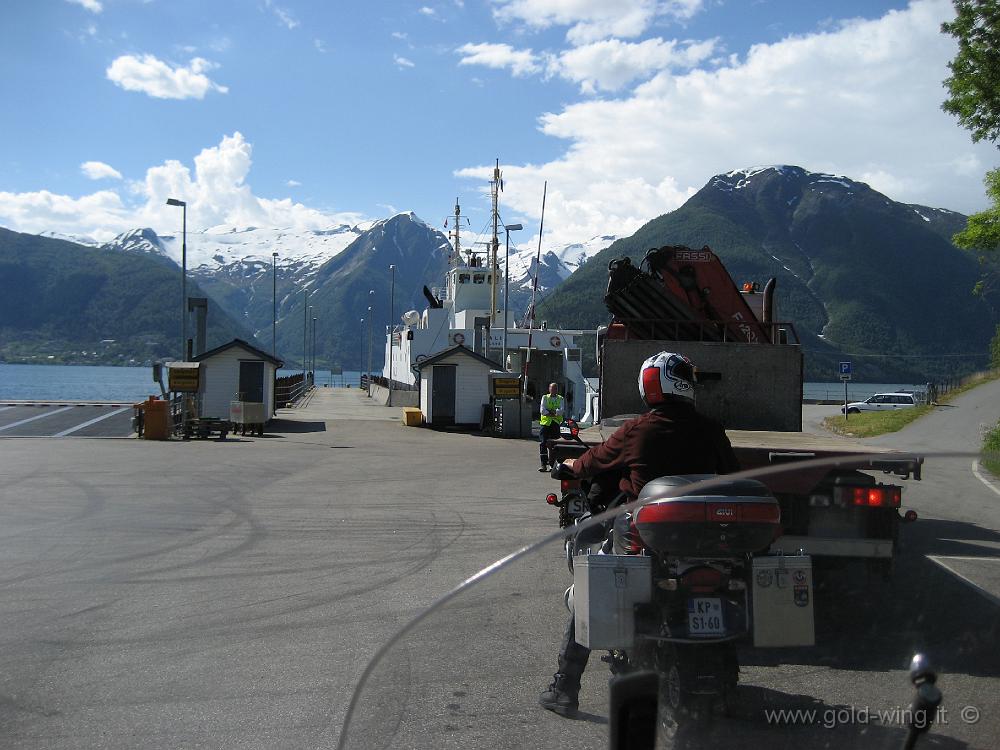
pixel 454 386
pixel 236 371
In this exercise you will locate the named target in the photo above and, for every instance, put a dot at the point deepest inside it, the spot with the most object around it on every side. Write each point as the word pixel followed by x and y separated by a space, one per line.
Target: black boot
pixel 562 696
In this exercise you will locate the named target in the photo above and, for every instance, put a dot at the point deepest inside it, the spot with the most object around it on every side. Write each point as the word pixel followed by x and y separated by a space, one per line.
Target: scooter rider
pixel 550 413
pixel 672 438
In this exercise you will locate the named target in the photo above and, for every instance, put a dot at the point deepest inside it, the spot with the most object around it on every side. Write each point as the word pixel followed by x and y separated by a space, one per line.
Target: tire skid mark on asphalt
pixel 409 568
pixel 94 503
pixel 248 630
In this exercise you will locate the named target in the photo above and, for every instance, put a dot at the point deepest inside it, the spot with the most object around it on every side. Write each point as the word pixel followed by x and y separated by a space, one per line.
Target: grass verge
pixel 991 451
pixel 872 423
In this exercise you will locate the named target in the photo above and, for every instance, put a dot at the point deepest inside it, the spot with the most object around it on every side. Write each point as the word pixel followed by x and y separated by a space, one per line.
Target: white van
pixel 882 402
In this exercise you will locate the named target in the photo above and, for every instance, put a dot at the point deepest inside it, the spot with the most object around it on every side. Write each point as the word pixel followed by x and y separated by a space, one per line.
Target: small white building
pixel 236 371
pixel 454 386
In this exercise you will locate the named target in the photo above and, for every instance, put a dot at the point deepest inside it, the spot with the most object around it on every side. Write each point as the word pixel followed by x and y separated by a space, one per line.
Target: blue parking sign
pixel 845 368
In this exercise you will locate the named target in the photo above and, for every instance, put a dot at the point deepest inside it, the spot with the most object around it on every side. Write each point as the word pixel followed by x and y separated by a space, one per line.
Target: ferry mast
pixel 455 236
pixel 496 185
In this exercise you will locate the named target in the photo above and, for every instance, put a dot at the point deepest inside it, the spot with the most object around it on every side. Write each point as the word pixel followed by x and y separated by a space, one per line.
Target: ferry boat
pixel 464 312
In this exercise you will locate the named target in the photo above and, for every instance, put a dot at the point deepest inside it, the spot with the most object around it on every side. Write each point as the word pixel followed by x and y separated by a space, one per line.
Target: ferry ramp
pixel 325 404
pixel 65 419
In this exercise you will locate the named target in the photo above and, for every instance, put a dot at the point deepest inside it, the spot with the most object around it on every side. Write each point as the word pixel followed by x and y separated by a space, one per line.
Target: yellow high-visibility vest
pixel 556 404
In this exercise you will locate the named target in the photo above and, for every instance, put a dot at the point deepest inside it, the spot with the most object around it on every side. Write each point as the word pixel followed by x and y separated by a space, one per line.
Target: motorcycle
pixel 687 557
pixel 467 670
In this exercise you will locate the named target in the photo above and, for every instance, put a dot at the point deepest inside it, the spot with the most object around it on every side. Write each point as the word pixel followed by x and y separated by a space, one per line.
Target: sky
pixel 306 114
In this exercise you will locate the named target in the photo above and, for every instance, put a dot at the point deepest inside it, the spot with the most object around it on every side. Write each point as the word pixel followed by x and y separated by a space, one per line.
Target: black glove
pixel 562 471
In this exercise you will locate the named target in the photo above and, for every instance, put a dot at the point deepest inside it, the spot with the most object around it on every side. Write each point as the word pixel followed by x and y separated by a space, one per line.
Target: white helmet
pixel 666 375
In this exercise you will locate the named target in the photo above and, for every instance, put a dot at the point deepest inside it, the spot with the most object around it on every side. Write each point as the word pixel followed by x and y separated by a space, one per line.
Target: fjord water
pixel 98 383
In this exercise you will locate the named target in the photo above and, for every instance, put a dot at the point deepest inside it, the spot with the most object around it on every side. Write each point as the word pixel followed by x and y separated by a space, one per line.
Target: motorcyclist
pixel 671 438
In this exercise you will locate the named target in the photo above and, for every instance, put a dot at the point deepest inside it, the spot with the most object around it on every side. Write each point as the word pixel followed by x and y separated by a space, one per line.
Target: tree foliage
pixel 974 83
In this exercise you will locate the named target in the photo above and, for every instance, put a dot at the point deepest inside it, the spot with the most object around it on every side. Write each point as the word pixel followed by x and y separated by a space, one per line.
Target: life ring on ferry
pixel 458 338
pixel 555 341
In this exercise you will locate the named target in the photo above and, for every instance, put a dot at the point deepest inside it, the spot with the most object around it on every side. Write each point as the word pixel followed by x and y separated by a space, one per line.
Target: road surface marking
pixel 5 408
pixel 71 430
pixel 32 419
pixel 981 478
pixel 940 561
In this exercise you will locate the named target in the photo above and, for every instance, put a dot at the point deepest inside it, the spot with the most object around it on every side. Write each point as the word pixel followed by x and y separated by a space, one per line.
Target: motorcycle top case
pixel 606 589
pixel 735 517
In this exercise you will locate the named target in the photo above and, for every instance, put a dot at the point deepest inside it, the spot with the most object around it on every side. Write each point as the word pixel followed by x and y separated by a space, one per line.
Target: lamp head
pixel 513 227
pixel 175 202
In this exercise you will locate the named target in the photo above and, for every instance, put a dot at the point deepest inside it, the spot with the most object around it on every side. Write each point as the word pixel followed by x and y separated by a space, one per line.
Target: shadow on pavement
pixel 292 427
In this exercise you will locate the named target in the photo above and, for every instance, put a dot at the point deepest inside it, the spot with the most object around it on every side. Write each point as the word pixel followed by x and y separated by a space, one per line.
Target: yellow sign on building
pixel 183 377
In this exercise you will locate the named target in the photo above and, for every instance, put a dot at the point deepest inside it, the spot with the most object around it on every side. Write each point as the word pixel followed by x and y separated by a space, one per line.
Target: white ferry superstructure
pixel 459 315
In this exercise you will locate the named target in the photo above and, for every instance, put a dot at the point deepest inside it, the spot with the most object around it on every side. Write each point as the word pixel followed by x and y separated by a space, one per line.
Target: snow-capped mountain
pixel 233 265
pixel 556 265
pixel 78 239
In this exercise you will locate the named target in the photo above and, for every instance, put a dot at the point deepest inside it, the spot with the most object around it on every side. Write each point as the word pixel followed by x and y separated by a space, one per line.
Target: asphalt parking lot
pixel 230 594
pixel 65 420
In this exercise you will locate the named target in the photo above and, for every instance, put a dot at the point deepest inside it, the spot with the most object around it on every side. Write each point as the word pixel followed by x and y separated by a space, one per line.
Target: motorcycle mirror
pixel 921 670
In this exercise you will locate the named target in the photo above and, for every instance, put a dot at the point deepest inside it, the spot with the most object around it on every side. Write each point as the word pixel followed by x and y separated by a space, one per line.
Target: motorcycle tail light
pixel 569 484
pixel 552 499
pixel 702 578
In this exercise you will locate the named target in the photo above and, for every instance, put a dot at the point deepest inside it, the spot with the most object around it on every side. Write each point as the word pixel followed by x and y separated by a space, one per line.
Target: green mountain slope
pixel 58 299
pixel 860 276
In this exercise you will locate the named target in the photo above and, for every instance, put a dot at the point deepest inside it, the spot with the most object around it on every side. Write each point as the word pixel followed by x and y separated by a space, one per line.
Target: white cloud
pixel 403 62
pixel 611 64
pixel 591 20
pixel 94 6
pixel 401 35
pixel 283 15
pixel 98 170
pixel 216 193
pixel 159 80
pixel 294 183
pixel 320 45
pixel 862 100
pixel 427 11
pixel 521 62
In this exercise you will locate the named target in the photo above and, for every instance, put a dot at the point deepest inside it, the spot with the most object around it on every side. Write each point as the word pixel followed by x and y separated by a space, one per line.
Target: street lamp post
pixel 314 351
pixel 371 303
pixel 369 381
pixel 507 228
pixel 183 205
pixel 305 331
pixel 312 368
pixel 392 317
pixel 362 332
pixel 274 305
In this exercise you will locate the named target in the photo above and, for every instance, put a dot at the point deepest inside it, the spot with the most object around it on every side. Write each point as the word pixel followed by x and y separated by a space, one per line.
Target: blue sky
pixel 310 113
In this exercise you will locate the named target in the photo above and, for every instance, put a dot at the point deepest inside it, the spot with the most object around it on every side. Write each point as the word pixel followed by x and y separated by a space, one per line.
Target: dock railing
pixel 289 390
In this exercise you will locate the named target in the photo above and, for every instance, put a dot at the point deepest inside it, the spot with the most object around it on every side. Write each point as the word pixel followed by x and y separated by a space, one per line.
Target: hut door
pixel 252 381
pixel 443 395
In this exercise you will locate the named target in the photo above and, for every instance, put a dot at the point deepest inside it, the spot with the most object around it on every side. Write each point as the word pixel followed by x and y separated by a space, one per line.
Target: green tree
pixel 974 84
pixel 974 97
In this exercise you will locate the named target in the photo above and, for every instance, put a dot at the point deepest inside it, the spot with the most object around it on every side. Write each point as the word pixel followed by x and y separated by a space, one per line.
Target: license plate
pixel 705 616
pixel 576 507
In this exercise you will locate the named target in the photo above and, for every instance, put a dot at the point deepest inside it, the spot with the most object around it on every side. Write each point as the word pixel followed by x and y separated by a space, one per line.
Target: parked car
pixel 882 402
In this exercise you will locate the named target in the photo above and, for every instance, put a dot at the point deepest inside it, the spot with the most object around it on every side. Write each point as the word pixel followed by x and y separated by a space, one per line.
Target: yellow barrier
pixel 412 417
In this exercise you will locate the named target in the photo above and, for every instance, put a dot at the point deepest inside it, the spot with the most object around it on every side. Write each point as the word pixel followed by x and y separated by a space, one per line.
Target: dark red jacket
pixel 673 439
